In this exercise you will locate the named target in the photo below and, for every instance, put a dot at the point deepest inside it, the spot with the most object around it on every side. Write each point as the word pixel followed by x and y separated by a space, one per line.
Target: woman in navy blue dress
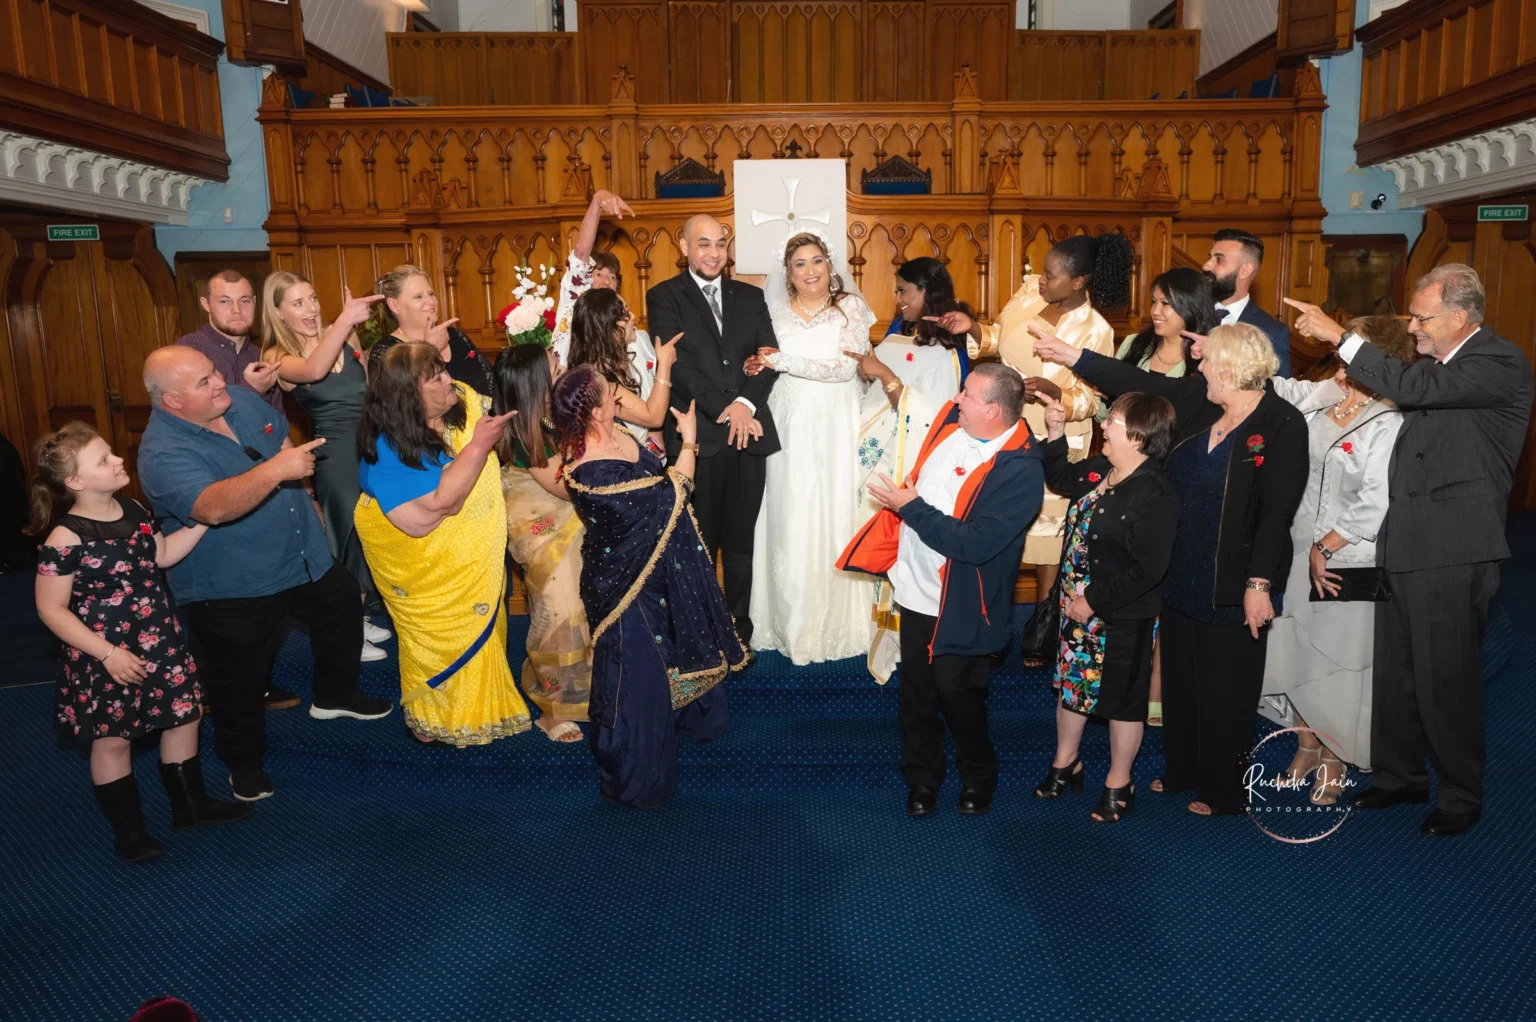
pixel 662 639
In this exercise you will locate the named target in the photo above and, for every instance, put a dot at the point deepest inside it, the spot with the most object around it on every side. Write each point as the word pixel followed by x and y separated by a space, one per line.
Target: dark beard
pixel 1222 288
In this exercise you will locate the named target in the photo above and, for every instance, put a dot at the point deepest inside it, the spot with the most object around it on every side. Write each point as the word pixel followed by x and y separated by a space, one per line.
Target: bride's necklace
pixel 807 313
pixel 1237 419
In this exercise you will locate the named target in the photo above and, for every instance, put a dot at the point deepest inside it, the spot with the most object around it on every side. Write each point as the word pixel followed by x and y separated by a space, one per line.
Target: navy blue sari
pixel 662 639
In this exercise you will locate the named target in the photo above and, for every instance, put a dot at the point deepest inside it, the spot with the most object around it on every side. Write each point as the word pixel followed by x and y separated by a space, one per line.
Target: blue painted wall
pixel 245 193
pixel 1340 176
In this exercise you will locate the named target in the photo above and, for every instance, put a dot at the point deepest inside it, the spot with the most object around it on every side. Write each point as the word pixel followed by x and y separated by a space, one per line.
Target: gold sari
pixel 544 537
pixel 446 593
pixel 1010 339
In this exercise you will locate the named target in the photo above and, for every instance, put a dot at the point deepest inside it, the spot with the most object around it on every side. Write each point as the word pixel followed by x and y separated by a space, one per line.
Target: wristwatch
pixel 1346 335
pixel 1327 554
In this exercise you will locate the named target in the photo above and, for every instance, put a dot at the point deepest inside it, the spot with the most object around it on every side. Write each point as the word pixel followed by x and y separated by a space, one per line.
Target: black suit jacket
pixel 1255 536
pixel 1464 423
pixel 710 361
pixel 1278 333
pixel 1133 529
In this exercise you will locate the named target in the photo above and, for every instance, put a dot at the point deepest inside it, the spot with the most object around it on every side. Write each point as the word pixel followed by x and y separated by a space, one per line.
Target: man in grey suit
pixel 1466 408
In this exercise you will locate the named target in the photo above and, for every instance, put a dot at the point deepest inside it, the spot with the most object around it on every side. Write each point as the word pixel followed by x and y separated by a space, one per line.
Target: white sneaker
pixel 372 652
pixel 373 633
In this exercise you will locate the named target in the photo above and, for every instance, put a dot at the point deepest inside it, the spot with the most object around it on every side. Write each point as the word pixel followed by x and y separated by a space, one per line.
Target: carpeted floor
pixel 390 881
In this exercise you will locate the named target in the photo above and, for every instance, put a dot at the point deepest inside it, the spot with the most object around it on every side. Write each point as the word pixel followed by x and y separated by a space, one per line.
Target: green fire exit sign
pixel 1504 212
pixel 74 232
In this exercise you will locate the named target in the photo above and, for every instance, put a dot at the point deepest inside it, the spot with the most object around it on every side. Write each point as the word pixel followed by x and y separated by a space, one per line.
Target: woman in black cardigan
pixel 1239 466
pixel 1119 534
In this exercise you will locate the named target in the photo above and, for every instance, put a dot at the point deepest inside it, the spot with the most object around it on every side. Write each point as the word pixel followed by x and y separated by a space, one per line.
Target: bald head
pixel 704 245
pixel 183 382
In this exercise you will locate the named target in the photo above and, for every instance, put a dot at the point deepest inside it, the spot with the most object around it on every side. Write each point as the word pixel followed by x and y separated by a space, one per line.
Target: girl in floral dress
pixel 127 671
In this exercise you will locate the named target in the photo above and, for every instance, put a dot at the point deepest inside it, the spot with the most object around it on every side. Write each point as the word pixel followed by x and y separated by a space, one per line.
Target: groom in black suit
pixel 724 322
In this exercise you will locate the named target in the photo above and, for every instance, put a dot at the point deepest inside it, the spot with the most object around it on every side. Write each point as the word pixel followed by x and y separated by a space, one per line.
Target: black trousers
pixel 1213 676
pixel 727 494
pixel 1427 687
pixel 951 690
pixel 240 640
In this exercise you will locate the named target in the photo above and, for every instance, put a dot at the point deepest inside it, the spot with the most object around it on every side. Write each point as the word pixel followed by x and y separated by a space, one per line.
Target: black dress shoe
pixel 920 801
pixel 974 801
pixel 1381 798
pixel 1444 823
pixel 281 699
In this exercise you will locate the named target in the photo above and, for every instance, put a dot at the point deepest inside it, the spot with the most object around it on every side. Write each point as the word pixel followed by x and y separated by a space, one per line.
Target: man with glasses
pixel 226 337
pixel 1466 408
pixel 221 456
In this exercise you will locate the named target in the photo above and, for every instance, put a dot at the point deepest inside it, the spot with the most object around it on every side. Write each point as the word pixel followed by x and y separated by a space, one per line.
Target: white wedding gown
pixel 802 605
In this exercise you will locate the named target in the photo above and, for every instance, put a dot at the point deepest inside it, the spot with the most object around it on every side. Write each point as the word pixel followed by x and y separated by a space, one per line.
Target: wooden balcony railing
pixel 1438 71
pixel 113 77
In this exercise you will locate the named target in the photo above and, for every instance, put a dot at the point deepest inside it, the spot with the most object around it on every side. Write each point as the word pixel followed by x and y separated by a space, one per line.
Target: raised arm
pixel 1482 378
pixel 652 412
pixel 416 518
pixel 230 499
pixel 1071 479
pixel 292 369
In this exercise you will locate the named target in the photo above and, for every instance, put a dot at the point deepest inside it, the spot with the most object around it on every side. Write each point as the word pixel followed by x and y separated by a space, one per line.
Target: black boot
pixel 119 801
pixel 190 804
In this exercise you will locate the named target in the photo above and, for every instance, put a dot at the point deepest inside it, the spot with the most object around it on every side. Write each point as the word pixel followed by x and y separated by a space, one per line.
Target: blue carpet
pixel 391 881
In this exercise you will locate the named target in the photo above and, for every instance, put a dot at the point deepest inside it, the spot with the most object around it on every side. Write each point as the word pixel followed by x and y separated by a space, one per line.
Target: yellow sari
pixel 446 593
pixel 544 536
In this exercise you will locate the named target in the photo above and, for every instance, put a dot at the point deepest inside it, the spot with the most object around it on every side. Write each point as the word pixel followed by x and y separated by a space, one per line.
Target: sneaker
pixel 373 633
pixel 355 705
pixel 250 785
pixel 372 652
pixel 281 699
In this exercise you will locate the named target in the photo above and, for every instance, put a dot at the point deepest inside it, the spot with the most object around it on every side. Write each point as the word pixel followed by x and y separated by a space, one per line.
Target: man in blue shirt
pixel 221 456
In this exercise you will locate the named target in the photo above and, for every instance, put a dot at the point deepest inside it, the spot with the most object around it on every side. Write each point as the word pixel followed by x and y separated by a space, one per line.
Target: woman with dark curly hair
pixel 662 639
pixel 603 336
pixel 1079 276
pixel 430 513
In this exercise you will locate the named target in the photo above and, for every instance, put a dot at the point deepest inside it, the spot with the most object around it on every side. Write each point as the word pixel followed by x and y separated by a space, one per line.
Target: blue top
pixel 1200 480
pixel 391 483
pixel 278 545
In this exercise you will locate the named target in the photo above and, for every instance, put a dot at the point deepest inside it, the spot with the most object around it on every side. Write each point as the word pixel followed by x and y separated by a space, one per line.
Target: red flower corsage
pixel 959 471
pixel 1347 447
pixel 473 353
pixel 649 364
pixel 911 357
pixel 357 354
pixel 1258 461
pixel 146 529
pixel 267 428
pixel 1256 443
pixel 1094 477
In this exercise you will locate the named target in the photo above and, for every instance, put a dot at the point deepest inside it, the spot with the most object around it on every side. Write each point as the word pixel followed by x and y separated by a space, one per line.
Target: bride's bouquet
pixel 530 319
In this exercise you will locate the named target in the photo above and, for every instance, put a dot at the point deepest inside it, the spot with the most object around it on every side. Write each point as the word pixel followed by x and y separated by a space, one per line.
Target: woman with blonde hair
pixel 409 313
pixel 802 605
pixel 323 368
pixel 1238 466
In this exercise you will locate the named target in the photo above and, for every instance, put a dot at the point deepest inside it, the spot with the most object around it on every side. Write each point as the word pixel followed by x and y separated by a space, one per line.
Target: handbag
pixel 1356 585
pixel 1043 629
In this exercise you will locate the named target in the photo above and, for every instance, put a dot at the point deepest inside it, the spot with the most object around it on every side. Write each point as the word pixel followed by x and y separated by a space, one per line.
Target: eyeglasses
pixel 1114 422
pixel 1425 319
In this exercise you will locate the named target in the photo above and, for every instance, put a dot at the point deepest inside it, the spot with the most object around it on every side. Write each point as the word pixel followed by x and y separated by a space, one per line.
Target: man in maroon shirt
pixel 225 338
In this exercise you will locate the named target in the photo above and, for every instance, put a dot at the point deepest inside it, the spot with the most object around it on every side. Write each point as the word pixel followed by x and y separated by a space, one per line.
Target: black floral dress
pixel 120 593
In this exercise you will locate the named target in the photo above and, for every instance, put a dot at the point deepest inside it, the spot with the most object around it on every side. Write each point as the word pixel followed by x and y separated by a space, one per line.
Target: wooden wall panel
pixel 1139 65
pixel 1056 65
pixel 804 51
pixel 893 37
pixel 700 37
pixel 632 35
pixel 479 68
pixel 961 32
pixel 328 75
pixel 120 78
pixel 1313 28
pixel 1436 72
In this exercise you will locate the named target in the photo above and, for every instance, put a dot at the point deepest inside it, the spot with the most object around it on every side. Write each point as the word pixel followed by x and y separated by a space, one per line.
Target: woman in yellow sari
pixel 433 523
pixel 544 536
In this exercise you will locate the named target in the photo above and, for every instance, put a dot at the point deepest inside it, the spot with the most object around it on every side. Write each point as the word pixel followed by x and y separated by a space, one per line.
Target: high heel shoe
pixel 1328 784
pixel 1114 804
pixel 1308 769
pixel 1060 778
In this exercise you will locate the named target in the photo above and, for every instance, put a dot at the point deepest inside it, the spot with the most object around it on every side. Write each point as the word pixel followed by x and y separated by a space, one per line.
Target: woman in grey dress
pixel 1318 675
pixel 323 368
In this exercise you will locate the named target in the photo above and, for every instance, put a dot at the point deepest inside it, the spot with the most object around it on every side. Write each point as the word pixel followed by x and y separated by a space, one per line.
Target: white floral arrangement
pixel 530 319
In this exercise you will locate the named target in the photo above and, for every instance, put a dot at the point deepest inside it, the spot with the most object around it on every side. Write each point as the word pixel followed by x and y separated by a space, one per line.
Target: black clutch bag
pixel 1356 585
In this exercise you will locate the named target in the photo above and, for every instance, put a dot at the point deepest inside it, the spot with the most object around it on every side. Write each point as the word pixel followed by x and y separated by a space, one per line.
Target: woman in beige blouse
pixel 1078 274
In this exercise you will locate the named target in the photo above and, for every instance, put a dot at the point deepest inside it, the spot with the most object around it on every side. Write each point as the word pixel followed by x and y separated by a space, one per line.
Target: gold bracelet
pixel 691 447
pixel 663 383
pixel 893 386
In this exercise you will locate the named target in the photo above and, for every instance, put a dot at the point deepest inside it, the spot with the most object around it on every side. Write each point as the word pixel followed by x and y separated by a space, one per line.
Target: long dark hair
pixel 522 384
pixel 929 275
pixel 595 339
pixel 1189 292
pixel 57 456
pixel 393 410
pixel 577 393
pixel 1106 261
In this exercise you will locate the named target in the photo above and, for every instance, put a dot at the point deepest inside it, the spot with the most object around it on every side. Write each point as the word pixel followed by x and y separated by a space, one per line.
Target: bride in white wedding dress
pixel 802 605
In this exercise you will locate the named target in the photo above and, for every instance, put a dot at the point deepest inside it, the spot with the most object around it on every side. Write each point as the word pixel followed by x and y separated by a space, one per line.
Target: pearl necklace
pixel 1340 412
pixel 819 310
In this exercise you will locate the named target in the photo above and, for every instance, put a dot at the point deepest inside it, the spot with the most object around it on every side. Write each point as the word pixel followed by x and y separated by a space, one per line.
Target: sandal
pixel 563 733
pixel 1059 779
pixel 1328 787
pixel 1157 785
pixel 1154 715
pixel 1114 804
pixel 1296 778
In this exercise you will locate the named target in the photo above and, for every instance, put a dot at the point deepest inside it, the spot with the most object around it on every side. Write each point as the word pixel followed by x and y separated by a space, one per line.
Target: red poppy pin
pixel 357 354
pixel 473 353
pixel 267 428
pixel 959 471
pixel 1094 477
pixel 649 364
pixel 911 357
pixel 146 529
pixel 1347 447
pixel 1258 461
